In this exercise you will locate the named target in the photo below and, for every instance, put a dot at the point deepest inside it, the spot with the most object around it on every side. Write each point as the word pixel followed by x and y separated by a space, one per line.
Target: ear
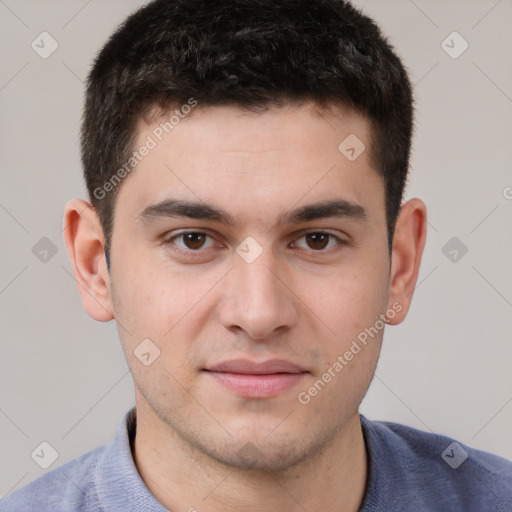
pixel 408 243
pixel 84 239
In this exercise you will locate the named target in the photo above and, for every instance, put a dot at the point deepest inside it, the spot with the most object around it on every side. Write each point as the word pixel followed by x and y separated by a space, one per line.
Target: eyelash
pixel 169 242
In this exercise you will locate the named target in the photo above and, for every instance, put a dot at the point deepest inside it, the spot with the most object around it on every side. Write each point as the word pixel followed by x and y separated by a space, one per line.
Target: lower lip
pixel 257 386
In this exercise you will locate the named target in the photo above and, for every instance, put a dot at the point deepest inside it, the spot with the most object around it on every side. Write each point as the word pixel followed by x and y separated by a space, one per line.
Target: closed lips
pixel 246 367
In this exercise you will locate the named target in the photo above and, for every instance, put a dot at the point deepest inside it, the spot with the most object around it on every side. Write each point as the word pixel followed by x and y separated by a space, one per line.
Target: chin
pixel 265 453
pixel 268 459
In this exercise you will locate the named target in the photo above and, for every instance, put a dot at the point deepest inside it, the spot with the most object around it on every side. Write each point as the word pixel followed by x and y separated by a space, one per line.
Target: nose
pixel 258 299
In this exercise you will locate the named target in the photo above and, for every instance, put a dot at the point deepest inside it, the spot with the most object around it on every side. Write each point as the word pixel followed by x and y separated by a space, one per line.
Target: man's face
pixel 266 287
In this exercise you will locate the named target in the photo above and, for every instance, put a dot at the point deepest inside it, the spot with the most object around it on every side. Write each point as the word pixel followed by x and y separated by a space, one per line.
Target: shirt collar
pixel 118 483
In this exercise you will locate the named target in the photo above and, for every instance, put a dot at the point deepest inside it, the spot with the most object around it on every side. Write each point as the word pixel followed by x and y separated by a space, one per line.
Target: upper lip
pixel 247 367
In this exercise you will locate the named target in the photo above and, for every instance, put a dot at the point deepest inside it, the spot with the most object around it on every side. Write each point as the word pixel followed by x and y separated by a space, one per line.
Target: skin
pixel 299 301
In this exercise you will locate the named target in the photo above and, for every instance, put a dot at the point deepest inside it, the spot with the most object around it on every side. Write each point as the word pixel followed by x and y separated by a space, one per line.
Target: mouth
pixel 250 379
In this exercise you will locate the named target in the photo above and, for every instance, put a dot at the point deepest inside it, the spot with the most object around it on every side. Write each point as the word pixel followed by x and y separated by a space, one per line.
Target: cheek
pixel 160 303
pixel 351 325
pixel 162 311
pixel 350 300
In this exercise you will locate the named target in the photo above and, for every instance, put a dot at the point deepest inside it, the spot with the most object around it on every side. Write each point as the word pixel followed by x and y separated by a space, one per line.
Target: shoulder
pixel 434 471
pixel 67 488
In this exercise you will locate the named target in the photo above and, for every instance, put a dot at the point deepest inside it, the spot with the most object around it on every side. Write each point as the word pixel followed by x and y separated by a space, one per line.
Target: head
pixel 277 134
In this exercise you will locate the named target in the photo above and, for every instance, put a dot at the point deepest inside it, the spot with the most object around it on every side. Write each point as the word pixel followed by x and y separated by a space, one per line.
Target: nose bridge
pixel 256 263
pixel 258 301
pixel 258 280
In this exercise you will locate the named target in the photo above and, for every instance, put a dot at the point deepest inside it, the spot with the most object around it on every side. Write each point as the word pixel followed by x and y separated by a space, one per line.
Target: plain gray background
pixel 447 368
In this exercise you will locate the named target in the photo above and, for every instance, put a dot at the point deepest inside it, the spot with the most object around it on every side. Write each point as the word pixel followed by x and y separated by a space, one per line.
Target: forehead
pixel 254 162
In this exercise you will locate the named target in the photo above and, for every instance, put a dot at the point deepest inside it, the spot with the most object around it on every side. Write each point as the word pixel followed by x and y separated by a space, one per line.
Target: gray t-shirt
pixel 408 470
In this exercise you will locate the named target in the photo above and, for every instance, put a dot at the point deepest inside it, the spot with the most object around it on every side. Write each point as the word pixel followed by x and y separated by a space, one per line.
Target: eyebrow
pixel 176 208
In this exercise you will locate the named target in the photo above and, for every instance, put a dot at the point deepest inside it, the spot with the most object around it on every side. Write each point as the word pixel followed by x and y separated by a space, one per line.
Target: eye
pixel 192 241
pixel 319 240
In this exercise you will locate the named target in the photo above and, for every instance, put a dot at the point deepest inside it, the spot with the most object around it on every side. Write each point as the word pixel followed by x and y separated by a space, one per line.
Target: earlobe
pixel 408 244
pixel 84 240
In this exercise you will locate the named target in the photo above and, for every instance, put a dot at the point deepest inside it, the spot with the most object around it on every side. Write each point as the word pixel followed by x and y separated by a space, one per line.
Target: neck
pixel 181 478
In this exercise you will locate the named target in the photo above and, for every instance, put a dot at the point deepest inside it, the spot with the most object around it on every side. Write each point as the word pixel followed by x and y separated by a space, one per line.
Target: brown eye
pixel 192 241
pixel 319 241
